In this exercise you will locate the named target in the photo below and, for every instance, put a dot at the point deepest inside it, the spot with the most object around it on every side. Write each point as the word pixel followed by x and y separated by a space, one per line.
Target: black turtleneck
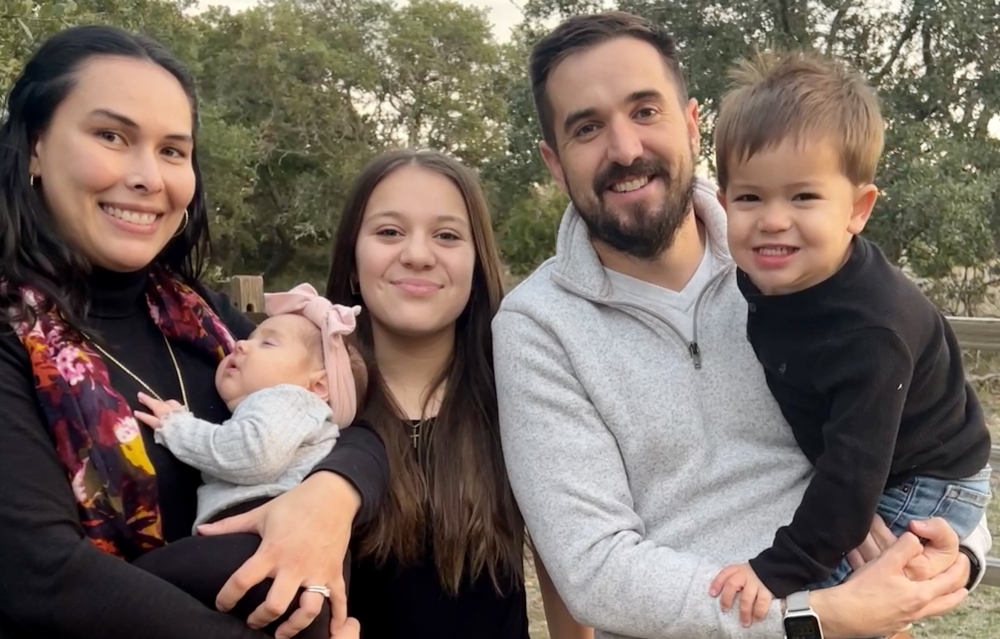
pixel 869 376
pixel 55 583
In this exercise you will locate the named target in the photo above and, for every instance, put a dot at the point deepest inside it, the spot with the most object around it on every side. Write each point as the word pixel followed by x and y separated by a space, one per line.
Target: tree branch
pixel 786 25
pixel 927 50
pixel 989 377
pixel 908 31
pixel 838 18
pixel 928 107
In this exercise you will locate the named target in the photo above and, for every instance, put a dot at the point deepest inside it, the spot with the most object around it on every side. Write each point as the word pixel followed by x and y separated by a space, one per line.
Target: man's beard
pixel 649 230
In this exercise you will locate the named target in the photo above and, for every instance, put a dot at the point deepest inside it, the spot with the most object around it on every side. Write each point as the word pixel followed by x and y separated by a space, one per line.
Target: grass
pixel 977 618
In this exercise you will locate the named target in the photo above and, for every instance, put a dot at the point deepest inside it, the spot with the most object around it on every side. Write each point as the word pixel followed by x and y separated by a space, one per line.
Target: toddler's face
pixel 792 213
pixel 283 350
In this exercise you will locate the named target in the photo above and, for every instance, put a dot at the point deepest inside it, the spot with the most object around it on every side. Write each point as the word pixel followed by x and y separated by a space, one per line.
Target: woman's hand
pixel 304 538
pixel 879 599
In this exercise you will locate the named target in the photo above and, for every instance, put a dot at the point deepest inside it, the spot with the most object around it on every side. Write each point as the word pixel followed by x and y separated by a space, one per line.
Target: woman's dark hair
pixel 457 491
pixel 31 251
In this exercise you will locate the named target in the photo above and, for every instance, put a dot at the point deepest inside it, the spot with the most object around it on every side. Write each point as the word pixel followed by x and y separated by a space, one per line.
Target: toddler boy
pixel 866 370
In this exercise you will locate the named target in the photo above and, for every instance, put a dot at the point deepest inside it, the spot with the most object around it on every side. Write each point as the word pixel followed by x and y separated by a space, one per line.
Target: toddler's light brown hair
pixel 799 96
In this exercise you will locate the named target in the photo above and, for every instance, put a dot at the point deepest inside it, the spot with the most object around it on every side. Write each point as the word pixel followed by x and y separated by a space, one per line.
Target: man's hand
pixel 879 599
pixel 755 598
pixel 934 560
pixel 879 538
pixel 158 410
pixel 938 555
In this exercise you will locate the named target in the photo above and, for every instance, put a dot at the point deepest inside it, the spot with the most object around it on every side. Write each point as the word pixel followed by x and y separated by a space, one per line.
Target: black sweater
pixel 53 582
pixel 869 376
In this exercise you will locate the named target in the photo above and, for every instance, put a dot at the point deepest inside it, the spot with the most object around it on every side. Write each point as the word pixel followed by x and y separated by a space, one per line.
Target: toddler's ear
pixel 864 202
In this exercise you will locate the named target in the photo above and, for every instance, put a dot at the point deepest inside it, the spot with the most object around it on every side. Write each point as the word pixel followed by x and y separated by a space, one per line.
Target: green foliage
pixel 528 234
pixel 297 95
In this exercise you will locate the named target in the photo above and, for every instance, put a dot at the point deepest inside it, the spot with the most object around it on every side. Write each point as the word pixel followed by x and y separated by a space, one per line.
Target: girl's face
pixel 115 166
pixel 415 253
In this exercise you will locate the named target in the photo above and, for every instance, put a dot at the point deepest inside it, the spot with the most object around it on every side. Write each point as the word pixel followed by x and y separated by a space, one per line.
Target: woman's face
pixel 115 162
pixel 415 253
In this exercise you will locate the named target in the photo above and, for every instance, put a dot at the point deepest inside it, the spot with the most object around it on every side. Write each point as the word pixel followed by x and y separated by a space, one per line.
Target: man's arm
pixel 866 375
pixel 256 446
pixel 570 483
pixel 561 623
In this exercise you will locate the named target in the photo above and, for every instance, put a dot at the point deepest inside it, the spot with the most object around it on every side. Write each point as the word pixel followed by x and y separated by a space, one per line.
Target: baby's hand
pixel 158 409
pixel 755 598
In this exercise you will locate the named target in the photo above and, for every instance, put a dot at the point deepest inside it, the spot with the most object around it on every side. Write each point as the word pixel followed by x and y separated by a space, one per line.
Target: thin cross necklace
pixel 415 431
pixel 416 426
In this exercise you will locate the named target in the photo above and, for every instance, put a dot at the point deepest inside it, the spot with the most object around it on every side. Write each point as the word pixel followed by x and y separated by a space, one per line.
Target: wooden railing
pixel 974 333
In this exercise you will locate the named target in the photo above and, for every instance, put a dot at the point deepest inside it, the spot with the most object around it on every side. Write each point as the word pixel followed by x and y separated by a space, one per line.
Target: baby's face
pixel 792 213
pixel 280 351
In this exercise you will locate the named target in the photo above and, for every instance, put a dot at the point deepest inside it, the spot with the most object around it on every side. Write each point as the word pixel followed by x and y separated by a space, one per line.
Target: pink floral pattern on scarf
pixel 97 438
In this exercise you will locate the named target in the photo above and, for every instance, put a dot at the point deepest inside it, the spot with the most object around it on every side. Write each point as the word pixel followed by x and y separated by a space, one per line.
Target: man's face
pixel 625 144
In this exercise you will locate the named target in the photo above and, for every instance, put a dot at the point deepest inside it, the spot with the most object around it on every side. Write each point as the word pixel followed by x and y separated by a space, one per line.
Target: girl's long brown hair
pixel 461 496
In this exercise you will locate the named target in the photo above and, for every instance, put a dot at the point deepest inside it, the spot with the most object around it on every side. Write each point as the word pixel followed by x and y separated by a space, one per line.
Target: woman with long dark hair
pixel 444 557
pixel 103 236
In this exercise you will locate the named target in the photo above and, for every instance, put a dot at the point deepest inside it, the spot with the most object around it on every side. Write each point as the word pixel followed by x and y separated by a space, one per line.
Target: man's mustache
pixel 639 169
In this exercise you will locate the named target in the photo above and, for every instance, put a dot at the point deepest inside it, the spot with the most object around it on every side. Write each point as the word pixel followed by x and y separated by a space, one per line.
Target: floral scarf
pixel 96 436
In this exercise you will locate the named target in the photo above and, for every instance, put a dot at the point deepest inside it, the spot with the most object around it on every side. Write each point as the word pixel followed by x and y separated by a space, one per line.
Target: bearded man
pixel 643 446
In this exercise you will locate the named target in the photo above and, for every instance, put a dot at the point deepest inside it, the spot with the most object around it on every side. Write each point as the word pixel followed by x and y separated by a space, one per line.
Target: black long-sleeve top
pixel 869 376
pixel 395 601
pixel 53 582
pixel 392 601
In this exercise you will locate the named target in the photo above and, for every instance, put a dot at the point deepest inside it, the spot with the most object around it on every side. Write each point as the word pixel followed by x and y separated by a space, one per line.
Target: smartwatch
pixel 800 620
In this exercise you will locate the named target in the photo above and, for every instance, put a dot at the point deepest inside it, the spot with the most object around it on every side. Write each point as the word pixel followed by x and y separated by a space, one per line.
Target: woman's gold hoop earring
pixel 183 224
pixel 31 179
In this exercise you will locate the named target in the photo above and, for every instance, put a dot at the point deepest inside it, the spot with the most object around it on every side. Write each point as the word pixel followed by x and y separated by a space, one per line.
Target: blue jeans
pixel 961 502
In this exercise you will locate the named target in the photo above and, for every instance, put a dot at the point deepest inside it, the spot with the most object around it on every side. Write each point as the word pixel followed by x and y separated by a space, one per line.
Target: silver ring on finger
pixel 322 590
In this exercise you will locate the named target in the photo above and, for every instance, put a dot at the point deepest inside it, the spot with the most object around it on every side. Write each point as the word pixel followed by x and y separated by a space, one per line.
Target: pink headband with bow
pixel 334 322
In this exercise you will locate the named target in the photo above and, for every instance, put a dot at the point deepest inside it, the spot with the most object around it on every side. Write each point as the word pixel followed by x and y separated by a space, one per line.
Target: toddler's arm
pixel 866 375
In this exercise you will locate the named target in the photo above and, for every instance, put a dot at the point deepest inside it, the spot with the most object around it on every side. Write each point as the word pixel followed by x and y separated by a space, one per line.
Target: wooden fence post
pixel 246 292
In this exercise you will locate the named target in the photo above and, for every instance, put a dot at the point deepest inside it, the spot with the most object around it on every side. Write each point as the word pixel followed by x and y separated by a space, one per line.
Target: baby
pixel 866 370
pixel 289 387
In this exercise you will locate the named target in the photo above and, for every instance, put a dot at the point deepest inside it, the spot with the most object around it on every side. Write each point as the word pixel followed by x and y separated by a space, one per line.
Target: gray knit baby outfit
pixel 269 445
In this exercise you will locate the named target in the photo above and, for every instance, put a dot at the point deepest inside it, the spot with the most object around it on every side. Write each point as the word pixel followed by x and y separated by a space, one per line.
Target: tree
pixel 439 67
pixel 344 81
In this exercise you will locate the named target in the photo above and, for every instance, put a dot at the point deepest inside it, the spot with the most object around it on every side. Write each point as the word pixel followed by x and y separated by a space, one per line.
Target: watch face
pixel 804 627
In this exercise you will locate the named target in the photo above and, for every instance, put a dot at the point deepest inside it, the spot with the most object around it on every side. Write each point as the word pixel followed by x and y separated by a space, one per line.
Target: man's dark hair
pixel 583 32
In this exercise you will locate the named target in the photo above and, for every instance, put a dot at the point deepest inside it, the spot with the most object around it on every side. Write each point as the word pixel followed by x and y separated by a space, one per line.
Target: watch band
pixel 797 601
pixel 974 566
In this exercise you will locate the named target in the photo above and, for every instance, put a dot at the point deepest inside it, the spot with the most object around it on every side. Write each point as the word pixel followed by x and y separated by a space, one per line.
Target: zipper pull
pixel 695 354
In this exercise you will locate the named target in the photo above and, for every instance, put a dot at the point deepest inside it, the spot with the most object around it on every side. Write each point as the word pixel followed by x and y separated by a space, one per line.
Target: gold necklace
pixel 177 369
